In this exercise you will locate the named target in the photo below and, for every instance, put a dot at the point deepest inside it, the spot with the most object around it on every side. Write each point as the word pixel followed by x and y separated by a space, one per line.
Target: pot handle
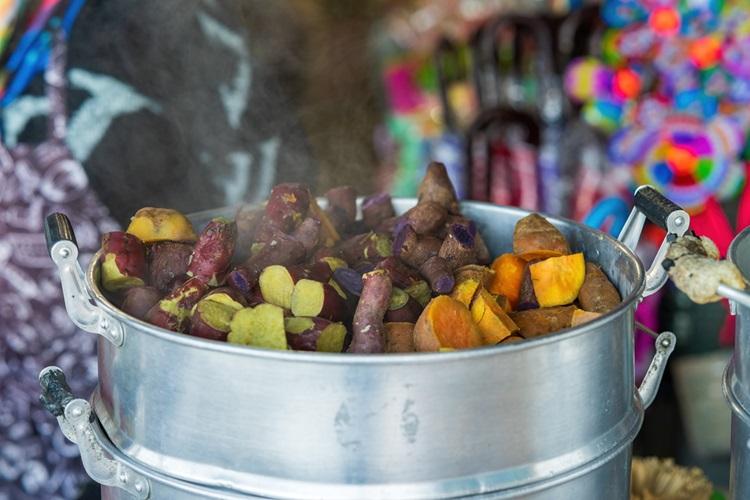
pixel 62 246
pixel 74 416
pixel 665 344
pixel 651 205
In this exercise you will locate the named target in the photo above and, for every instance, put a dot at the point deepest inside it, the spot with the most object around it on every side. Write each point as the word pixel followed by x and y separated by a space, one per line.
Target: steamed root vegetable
pixel 437 187
pixel 512 339
pixel 482 274
pixel 580 317
pixel 259 326
pixel 425 217
pixel 458 246
pixel 123 261
pixel 401 275
pixel 247 218
pixel 438 274
pixel 329 235
pixel 308 233
pixel 526 297
pixel 445 323
pixel 173 311
pixel 465 290
pixel 557 280
pixel 413 249
pixel 168 264
pixel 399 337
pixel 368 332
pixel 350 280
pixel 312 298
pixel 212 314
pixel 138 300
pixel 277 283
pixel 535 237
pixel 597 293
pixel 420 291
pixel 342 207
pixel 367 247
pixel 509 273
pixel 242 280
pixel 376 209
pixel 282 249
pixel 161 224
pixel 493 323
pixel 314 334
pixel 536 322
pixel 287 205
pixel 402 308
pixel 213 251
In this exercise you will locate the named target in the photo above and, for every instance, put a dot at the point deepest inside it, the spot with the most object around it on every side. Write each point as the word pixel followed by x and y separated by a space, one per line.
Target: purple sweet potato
pixel 168 263
pixel 288 205
pixel 436 187
pixel 376 209
pixel 213 251
pixel 367 327
pixel 138 300
pixel 123 261
pixel 314 334
pixel 173 311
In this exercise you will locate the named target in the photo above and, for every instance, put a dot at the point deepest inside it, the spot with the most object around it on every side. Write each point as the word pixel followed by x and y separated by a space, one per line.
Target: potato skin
pixel 213 251
pixel 123 261
pixel 537 322
pixel 168 263
pixel 138 300
pixel 534 233
pixel 367 326
pixel 597 294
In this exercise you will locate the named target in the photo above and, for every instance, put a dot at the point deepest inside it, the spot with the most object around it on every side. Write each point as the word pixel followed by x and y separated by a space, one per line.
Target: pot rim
pixel 734 250
pixel 384 359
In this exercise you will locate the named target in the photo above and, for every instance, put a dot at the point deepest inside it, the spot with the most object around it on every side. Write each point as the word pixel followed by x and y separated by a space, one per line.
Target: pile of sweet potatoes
pixel 292 275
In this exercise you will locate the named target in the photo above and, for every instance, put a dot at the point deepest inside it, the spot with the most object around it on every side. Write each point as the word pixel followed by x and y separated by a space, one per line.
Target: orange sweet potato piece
pixel 464 292
pixel 445 324
pixel 557 280
pixel 534 234
pixel 161 224
pixel 597 294
pixel 537 322
pixel 508 277
pixel 580 317
pixel 493 323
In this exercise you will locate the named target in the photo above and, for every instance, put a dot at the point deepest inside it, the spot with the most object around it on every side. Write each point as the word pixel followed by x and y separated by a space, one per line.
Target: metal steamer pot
pixel 553 417
pixel 737 375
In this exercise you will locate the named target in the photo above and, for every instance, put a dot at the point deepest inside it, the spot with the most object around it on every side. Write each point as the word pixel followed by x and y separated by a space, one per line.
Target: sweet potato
pixel 420 291
pixel 436 187
pixel 160 224
pixel 597 293
pixel 123 261
pixel 557 280
pixel 329 236
pixel 342 207
pixel 259 326
pixel 168 264
pixel 277 283
pixel 402 308
pixel 509 273
pixel 350 280
pixel 367 327
pixel 493 323
pixel 580 317
pixel 247 218
pixel 213 251
pixel 282 249
pixel 526 296
pixel 399 337
pixel 534 236
pixel 308 233
pixel 367 247
pixel 458 246
pixel 438 274
pixel 314 334
pixel 211 317
pixel 401 275
pixel 173 311
pixel 376 209
pixel 512 339
pixel 242 280
pixel 445 323
pixel 312 298
pixel 138 300
pixel 482 274
pixel 465 290
pixel 425 217
pixel 413 249
pixel 537 322
pixel 287 206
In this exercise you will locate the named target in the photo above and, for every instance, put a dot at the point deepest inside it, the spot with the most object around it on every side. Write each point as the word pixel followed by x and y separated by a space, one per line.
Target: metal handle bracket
pixel 75 422
pixel 78 301
pixel 665 344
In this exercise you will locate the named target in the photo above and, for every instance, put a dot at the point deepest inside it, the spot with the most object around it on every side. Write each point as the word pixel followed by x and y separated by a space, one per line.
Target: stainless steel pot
pixel 737 376
pixel 552 417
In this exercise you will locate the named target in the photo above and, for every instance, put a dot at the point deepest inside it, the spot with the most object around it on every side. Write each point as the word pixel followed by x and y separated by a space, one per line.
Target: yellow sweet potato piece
pixel 161 224
pixel 580 317
pixel 534 234
pixel 445 323
pixel 464 291
pixel 493 323
pixel 508 277
pixel 557 280
pixel 483 274
pixel 597 294
pixel 537 322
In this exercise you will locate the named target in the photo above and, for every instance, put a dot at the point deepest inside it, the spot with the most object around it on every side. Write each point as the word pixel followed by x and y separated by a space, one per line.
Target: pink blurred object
pixel 713 223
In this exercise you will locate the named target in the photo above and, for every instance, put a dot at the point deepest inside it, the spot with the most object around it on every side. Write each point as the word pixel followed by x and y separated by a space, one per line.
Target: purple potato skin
pixel 168 263
pixel 138 300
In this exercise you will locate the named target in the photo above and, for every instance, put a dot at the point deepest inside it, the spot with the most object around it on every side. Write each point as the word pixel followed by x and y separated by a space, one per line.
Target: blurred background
pixel 561 106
